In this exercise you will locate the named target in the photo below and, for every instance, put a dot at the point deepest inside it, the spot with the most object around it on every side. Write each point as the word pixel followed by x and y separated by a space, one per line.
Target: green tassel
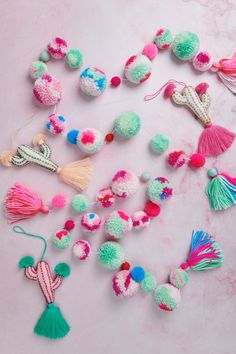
pixel 51 323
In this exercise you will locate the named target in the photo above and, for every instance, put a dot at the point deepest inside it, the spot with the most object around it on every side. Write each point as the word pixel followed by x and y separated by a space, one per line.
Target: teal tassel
pixel 51 323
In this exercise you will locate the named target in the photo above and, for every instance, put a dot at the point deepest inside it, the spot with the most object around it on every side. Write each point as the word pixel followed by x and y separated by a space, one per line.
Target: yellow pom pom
pixel 5 158
pixel 39 139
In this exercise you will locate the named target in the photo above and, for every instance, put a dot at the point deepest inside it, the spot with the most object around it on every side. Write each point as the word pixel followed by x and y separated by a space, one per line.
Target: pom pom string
pixel 157 93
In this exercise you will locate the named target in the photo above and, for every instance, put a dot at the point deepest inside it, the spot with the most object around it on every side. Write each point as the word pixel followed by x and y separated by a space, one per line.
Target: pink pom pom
pixel 59 201
pixel 115 81
pixel 150 50
pixel 197 160
pixel 202 61
pixel 169 90
pixel 58 48
pixel 47 90
pixel 152 209
pixel 201 88
pixel 176 158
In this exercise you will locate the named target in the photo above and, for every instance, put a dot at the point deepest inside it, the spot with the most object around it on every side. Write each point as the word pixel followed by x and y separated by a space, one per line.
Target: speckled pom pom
pixel 152 209
pixel 159 143
pixel 56 124
pixel 74 58
pixel 118 223
pixel 140 220
pixel 149 283
pixel 111 255
pixel 88 140
pixel 185 45
pixel 93 81
pixel 150 50
pixel 45 56
pixel 105 198
pixel 167 297
pixel 197 160
pixel 61 239
pixel 127 125
pixel 47 90
pixel 163 38
pixel 145 176
pixel 176 158
pixel 137 274
pixel 90 222
pixel 123 284
pixel 178 278
pixel 59 201
pixel 58 48
pixel 81 249
pixel 202 61
pixel 124 184
pixel 79 203
pixel 138 69
pixel 159 189
pixel 37 69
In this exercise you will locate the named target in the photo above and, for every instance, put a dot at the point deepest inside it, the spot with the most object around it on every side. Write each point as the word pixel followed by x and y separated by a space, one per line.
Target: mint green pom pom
pixel 163 38
pixel 26 262
pixel 159 143
pixel 45 56
pixel 79 203
pixel 62 269
pixel 185 45
pixel 74 58
pixel 111 255
pixel 149 283
pixel 37 69
pixel 127 125
pixel 145 176
pixel 212 172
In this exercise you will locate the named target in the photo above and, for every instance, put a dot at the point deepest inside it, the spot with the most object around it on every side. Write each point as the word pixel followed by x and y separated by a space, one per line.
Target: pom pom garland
pixel 93 81
pixel 90 222
pixel 56 124
pixel 81 250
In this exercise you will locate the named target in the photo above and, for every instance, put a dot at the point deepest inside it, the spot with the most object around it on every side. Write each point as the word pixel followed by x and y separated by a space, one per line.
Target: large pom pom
pixel 111 255
pixel 185 45
pixel 47 90
pixel 138 69
pixel 159 189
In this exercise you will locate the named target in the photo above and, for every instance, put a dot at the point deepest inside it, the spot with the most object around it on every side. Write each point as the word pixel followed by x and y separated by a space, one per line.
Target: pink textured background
pixel 108 32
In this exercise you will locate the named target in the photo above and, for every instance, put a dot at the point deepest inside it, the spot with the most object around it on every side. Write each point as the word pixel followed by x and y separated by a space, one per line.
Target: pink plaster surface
pixel 108 32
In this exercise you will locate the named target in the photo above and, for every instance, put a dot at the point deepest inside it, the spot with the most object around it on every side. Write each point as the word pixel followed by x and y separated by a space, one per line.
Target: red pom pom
pixel 125 266
pixel 152 209
pixel 59 201
pixel 197 160
pixel 109 137
pixel 115 81
pixel 169 90
pixel 69 225
pixel 201 88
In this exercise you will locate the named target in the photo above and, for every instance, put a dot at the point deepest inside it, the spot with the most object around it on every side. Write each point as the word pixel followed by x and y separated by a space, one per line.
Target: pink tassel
pixel 214 140
pixel 226 69
pixel 21 204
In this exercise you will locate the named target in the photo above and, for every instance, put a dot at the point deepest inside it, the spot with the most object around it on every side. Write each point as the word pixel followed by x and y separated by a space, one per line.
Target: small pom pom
pixel 69 225
pixel 91 222
pixel 145 176
pixel 159 189
pixel 105 198
pixel 163 38
pixel 197 160
pixel 45 56
pixel 62 269
pixel 74 58
pixel 72 136
pixel 26 262
pixel 61 239
pixel 137 274
pixel 201 88
pixel 125 266
pixel 127 125
pixel 93 81
pixel 79 203
pixel 56 124
pixel 58 48
pixel 213 172
pixel 111 255
pixel 115 81
pixel 176 158
pixel 178 278
pixel 59 201
pixel 150 50
pixel 159 143
pixel 82 250
pixel 169 90
pixel 152 209
pixel 38 139
pixel 6 157
pixel 149 283
pixel 202 61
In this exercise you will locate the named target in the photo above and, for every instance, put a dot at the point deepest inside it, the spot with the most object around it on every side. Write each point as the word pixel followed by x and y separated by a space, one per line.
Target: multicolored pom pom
pixel 56 124
pixel 81 249
pixel 149 283
pixel 176 158
pixel 57 48
pixel 105 198
pixel 159 143
pixel 111 255
pixel 88 140
pixel 137 274
pixel 93 81
pixel 124 184
pixel 117 224
pixel 202 61
pixel 61 239
pixel 150 50
pixel 163 38
pixel 37 69
pixel 197 160
pixel 45 56
pixel 159 189
pixel 90 222
pixel 167 297
pixel 152 209
pixel 79 203
pixel 47 90
pixel 127 125
pixel 74 58
pixel 124 285
pixel 185 45
pixel 178 278
pixel 140 220
pixel 138 69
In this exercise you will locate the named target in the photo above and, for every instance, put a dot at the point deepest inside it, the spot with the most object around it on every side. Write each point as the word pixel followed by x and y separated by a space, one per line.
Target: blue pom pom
pixel 137 274
pixel 72 136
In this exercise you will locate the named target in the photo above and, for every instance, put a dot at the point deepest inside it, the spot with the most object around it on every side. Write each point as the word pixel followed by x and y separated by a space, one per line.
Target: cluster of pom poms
pixel 81 250
pixel 88 140
pixel 90 222
pixel 117 224
pixel 61 239
pixel 56 124
pixel 178 158
pixel 93 81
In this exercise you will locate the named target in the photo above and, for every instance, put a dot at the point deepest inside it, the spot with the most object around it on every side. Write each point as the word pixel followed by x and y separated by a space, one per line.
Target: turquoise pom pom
pixel 62 269
pixel 159 143
pixel 72 136
pixel 127 125
pixel 145 176
pixel 26 262
pixel 212 172
pixel 137 274
pixel 79 203
pixel 185 45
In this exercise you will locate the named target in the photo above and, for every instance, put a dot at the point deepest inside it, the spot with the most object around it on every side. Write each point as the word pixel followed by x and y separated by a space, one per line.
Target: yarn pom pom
pixel 45 56
pixel 90 222
pixel 138 69
pixel 111 255
pixel 145 176
pixel 167 297
pixel 47 90
pixel 57 48
pixel 61 239
pixel 124 184
pixel 185 45
pixel 56 124
pixel 59 201
pixel 127 125
pixel 197 160
pixel 69 225
pixel 152 209
pixel 163 38
pixel 149 283
pixel 72 136
pixel 115 81
pixel 117 224
pixel 38 139
pixel 26 262
pixel 5 158
pixel 62 269
pixel 202 61
pixel 201 88
pixel 159 143
pixel 140 220
pixel 159 189
pixel 93 81
pixel 74 58
pixel 137 274
pixel 123 284
pixel 105 198
pixel 79 203
pixel 169 90
pixel 178 278
pixel 150 50
pixel 37 69
pixel 125 266
pixel 89 140
pixel 81 250
pixel 176 158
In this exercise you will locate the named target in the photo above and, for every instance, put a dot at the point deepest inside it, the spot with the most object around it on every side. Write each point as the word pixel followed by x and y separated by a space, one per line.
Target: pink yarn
pixel 226 66
pixel 47 90
pixel 150 50
pixel 201 88
pixel 88 137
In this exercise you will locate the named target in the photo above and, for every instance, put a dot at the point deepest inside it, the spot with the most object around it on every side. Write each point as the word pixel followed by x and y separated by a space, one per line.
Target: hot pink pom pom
pixel 58 48
pixel 197 160
pixel 176 158
pixel 202 61
pixel 201 88
pixel 59 201
pixel 115 81
pixel 69 225
pixel 150 50
pixel 169 90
